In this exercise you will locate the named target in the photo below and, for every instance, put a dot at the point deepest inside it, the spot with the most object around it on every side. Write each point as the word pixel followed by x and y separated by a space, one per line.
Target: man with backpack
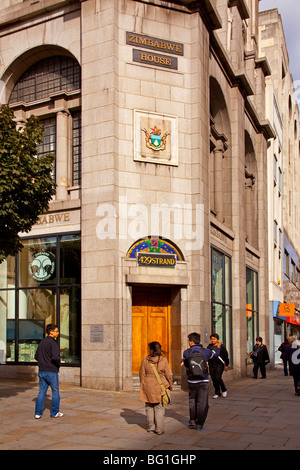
pixel 195 360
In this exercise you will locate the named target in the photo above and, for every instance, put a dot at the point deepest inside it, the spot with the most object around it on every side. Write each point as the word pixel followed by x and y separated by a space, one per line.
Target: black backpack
pixel 197 365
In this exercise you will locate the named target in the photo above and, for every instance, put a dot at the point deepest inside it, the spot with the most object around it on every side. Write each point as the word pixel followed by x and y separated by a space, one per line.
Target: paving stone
pixel 256 415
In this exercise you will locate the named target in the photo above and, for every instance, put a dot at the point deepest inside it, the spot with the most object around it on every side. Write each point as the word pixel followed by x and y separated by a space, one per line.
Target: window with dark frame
pixel 45 80
pixel 221 298
pixel 252 312
pixel 42 285
pixel 76 148
pixel 48 144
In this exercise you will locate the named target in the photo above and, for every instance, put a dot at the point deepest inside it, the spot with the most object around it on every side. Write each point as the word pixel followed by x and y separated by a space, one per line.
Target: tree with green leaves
pixel 26 182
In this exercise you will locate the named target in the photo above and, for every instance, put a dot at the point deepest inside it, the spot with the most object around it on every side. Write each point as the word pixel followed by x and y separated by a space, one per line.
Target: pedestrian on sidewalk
pixel 293 356
pixel 150 389
pixel 217 365
pixel 195 360
pixel 48 359
pixel 260 357
pixel 283 348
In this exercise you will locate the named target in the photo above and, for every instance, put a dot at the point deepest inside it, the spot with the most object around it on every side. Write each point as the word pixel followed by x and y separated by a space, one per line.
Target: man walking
pixel 260 357
pixel 195 360
pixel 48 358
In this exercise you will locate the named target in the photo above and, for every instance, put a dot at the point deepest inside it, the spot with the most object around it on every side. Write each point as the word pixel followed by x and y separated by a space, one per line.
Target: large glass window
pixel 251 307
pixel 48 144
pixel 76 148
pixel 55 79
pixel 39 286
pixel 45 78
pixel 221 298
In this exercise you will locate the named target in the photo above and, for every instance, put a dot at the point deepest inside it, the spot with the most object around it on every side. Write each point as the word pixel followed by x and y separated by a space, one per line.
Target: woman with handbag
pixel 155 377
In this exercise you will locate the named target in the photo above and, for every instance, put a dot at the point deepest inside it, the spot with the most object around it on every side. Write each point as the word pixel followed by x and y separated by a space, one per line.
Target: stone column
pixel 62 154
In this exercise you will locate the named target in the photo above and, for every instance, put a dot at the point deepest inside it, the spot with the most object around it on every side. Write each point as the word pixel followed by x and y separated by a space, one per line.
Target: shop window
pixel 41 285
pixel 252 314
pixel 221 298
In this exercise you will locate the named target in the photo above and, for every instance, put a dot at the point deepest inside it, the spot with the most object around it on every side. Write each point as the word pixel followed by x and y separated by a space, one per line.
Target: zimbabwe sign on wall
pixel 155 46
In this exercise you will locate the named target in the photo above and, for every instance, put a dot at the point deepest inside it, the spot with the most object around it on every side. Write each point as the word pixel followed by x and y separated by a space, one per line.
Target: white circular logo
pixel 42 267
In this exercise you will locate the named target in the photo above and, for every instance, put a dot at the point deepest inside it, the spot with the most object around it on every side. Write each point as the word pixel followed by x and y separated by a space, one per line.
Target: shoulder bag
pixel 165 392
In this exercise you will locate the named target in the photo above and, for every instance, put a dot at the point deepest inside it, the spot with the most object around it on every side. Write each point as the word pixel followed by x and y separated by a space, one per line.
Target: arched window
pixel 46 78
pixel 251 196
pixel 51 89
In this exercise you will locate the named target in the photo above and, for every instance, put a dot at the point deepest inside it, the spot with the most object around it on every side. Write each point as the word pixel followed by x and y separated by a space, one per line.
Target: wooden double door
pixel 151 317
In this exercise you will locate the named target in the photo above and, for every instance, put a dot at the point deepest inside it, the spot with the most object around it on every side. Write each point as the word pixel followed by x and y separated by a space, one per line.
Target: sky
pixel 290 14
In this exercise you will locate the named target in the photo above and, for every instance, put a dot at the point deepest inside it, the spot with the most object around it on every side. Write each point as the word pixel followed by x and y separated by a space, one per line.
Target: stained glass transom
pixel 154 245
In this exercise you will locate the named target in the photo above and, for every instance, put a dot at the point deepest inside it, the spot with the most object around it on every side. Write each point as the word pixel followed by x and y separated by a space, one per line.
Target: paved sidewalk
pixel 257 414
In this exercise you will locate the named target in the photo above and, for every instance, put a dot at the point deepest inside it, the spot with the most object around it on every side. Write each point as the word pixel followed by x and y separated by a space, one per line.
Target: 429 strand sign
pixel 158 260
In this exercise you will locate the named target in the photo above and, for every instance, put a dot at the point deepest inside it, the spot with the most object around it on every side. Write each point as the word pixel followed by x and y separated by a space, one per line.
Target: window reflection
pixel 40 298
pixel 70 263
pixel 7 273
pixel 69 325
pixel 38 262
pixel 251 308
pixel 221 298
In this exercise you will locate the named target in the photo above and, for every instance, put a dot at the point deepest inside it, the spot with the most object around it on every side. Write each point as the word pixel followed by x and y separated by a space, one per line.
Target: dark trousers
pixel 198 402
pixel 216 372
pixel 296 378
pixel 285 366
pixel 259 365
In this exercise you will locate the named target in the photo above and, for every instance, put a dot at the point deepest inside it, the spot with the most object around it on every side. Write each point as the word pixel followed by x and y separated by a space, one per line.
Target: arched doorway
pixel 156 308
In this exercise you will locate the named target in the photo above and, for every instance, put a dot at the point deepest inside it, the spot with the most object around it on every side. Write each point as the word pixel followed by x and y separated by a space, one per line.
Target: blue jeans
pixel 48 379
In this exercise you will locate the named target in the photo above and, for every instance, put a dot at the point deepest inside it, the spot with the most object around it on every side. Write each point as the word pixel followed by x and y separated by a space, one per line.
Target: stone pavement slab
pixel 256 415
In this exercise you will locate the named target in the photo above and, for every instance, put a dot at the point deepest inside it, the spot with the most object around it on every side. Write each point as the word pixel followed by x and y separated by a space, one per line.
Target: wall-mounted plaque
pixel 155 44
pixel 152 58
pixel 96 333
pixel 155 138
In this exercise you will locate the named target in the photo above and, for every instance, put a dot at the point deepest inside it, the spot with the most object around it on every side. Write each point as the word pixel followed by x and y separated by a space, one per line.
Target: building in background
pixel 283 184
pixel 156 114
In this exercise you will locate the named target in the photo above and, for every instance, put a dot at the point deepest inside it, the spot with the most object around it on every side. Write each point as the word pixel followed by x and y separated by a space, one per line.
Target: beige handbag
pixel 165 392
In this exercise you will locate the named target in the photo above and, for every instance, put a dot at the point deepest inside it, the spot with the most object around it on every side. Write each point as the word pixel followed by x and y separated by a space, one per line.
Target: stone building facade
pixel 282 110
pixel 156 114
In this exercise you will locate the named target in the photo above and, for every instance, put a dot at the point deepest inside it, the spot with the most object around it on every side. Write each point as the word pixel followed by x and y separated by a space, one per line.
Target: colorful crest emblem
pixel 154 139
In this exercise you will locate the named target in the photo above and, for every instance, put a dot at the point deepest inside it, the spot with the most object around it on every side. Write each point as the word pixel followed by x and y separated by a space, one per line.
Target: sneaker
pixel 216 396
pixel 58 415
pixel 192 425
pixel 38 416
pixel 199 427
pixel 224 394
